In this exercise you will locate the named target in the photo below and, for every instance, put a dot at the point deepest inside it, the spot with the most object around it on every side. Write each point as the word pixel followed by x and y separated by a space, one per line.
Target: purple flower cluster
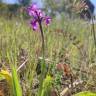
pixel 38 16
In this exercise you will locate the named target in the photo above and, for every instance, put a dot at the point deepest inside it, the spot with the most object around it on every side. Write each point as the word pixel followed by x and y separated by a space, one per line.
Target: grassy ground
pixel 67 41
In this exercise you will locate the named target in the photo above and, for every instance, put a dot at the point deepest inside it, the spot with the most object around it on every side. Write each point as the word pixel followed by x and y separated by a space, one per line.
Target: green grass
pixel 72 37
pixel 17 91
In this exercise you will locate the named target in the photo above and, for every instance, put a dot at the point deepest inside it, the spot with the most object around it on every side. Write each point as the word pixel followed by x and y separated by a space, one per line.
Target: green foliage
pixel 60 6
pixel 1 77
pixel 16 83
pixel 86 93
pixel 4 74
pixel 13 8
pixel 3 7
pixel 8 10
pixel 47 86
pixel 57 81
pixel 24 2
pixel 13 82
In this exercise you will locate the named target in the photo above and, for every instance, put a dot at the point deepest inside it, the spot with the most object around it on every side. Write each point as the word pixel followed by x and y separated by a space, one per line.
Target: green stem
pixel 43 67
pixel 43 43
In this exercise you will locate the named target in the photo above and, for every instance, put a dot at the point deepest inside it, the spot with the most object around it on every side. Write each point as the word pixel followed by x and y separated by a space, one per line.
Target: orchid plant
pixel 38 17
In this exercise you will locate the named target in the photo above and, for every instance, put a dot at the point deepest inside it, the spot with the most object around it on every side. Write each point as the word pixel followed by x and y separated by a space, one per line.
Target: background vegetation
pixel 68 40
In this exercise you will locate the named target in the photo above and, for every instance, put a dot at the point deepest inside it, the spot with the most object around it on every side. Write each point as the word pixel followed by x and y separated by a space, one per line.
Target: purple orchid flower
pixel 38 16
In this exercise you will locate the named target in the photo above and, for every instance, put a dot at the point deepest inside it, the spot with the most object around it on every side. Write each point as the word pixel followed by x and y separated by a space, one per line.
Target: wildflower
pixel 38 16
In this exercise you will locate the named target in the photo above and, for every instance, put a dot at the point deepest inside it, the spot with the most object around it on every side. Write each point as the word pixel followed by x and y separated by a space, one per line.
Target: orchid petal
pixel 47 20
pixel 34 24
